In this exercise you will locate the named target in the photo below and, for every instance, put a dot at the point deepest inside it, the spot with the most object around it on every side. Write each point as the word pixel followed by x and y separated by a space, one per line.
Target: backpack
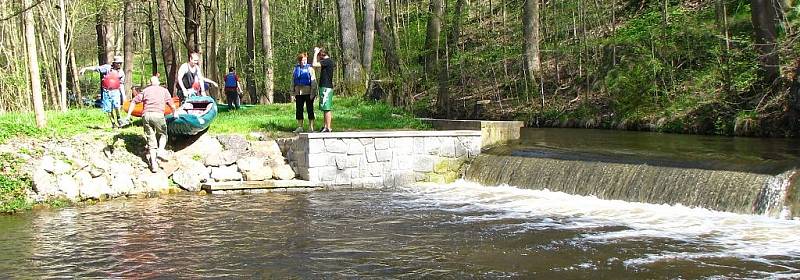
pixel 302 75
pixel 111 80
pixel 230 81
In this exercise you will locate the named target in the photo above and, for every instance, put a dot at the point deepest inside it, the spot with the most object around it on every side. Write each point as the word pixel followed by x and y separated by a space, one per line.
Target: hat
pixel 117 59
pixel 154 81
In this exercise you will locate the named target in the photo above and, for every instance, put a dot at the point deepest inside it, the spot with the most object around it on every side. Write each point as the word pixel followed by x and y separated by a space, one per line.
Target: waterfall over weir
pixel 657 171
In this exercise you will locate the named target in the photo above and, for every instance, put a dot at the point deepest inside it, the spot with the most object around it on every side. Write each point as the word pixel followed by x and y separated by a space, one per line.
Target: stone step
pixel 259 185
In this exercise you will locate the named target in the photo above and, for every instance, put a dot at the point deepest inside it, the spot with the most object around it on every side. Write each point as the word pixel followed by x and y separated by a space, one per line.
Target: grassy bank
pixel 350 114
pixel 277 120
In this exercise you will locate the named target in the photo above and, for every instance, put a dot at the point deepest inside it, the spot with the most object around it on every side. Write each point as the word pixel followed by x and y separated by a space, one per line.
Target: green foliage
pixel 13 185
pixel 58 124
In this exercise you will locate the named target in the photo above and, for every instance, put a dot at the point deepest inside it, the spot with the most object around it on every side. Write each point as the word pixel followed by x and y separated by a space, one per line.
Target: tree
pixel 191 22
pixel 128 46
pixel 167 48
pixel 33 64
pixel 251 51
pixel 353 72
pixel 765 22
pixel 266 46
pixel 431 50
pixel 100 29
pixel 151 31
pixel 369 37
pixel 62 54
pixel 531 29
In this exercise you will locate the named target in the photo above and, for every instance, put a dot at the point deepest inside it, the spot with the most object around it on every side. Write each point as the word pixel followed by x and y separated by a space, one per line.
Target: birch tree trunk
pixel 353 72
pixel 211 67
pixel 33 65
pixel 266 47
pixel 167 49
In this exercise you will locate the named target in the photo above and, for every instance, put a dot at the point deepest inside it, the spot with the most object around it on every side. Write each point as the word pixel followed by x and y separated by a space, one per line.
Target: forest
pixel 726 67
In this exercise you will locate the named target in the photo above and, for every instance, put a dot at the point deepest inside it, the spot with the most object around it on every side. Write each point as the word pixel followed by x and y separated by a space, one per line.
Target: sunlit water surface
pixel 461 230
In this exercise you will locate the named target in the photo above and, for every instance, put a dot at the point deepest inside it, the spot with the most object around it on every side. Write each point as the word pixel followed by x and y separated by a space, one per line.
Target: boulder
pixel 261 174
pixel 44 183
pixel 226 173
pixel 190 175
pixel 89 187
pixel 202 147
pixel 68 186
pixel 235 143
pixel 250 163
pixel 283 172
pixel 268 149
pixel 157 182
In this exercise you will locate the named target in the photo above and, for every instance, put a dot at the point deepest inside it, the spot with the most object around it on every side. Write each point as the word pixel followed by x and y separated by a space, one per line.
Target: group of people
pixel 305 89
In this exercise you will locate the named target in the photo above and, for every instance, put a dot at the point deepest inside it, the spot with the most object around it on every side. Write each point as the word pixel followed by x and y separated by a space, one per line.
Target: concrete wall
pixel 492 132
pixel 383 159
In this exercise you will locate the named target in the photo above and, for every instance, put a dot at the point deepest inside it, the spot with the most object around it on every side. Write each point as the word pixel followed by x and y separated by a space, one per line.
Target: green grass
pixel 350 114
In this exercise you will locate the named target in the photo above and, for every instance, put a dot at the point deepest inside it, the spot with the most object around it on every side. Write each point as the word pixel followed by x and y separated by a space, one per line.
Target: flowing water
pixel 742 175
pixel 462 230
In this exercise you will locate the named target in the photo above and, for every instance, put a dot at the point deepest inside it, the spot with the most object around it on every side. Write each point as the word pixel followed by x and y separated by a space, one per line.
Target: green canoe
pixel 197 113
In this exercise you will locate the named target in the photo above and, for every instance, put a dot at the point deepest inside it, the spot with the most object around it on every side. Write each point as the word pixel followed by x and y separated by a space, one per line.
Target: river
pixel 461 230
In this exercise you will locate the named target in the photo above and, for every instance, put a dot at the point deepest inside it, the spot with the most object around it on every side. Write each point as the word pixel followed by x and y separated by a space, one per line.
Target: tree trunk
pixel 432 35
pixel 353 73
pixel 251 52
pixel 211 67
pixel 62 55
pixel 128 46
pixel 167 49
pixel 389 44
pixel 76 84
pixel 190 24
pixel 531 29
pixel 33 65
pixel 765 20
pixel 110 41
pixel 369 37
pixel 100 29
pixel 152 36
pixel 266 47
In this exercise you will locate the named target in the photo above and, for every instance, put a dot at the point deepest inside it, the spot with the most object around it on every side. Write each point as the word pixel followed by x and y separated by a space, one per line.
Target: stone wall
pixel 378 159
pixel 492 132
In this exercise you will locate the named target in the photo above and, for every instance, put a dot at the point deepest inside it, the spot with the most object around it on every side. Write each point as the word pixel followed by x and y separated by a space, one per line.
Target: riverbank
pixel 78 158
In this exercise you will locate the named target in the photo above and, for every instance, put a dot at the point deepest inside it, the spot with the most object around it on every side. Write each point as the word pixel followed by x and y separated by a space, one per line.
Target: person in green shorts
pixel 326 65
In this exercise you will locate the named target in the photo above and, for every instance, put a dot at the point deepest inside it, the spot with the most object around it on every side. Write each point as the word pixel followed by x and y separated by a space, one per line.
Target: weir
pixel 656 174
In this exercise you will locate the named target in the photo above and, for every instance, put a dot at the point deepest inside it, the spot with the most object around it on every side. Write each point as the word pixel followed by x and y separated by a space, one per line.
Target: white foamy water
pixel 727 234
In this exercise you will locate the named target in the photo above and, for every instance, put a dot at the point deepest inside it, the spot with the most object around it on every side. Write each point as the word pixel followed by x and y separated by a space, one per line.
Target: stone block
pixel 383 155
pixel 342 177
pixel 403 162
pixel 402 142
pixel 366 142
pixel 318 160
pixel 354 147
pixel 419 145
pixel 226 173
pixel 372 182
pixel 327 174
pixel 436 178
pixel 447 148
pixel 283 172
pixel 370 153
pixel 424 164
pixel 421 176
pixel 442 166
pixel 341 161
pixel 316 146
pixel 432 145
pixel 375 169
pixel 353 161
pixel 381 143
pixel 335 145
pixel 461 150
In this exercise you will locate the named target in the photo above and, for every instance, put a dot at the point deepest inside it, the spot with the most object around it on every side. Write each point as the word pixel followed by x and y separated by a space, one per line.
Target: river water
pixel 462 230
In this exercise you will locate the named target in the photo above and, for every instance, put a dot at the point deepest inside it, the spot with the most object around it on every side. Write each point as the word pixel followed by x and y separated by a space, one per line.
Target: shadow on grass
pixel 222 107
pixel 135 143
pixel 178 142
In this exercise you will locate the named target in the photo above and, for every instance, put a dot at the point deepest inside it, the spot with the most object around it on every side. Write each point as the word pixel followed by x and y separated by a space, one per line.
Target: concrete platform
pixel 266 186
pixel 492 132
